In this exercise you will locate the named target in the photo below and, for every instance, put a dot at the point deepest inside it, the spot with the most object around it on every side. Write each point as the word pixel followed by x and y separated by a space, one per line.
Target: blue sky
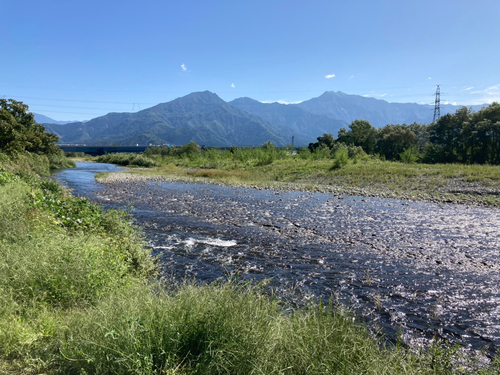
pixel 75 60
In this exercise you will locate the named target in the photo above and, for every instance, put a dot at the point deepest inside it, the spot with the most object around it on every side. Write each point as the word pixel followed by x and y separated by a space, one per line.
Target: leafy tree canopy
pixel 326 141
pixel 392 140
pixel 361 133
pixel 19 132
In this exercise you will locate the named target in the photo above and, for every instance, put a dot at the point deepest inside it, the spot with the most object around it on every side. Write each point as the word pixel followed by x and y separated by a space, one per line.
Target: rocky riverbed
pixel 447 190
pixel 425 269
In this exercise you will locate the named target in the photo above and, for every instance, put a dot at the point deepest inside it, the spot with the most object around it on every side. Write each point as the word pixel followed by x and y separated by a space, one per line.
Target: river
pixel 418 269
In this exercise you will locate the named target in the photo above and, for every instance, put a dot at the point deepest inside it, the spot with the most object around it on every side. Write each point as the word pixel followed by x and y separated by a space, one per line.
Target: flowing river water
pixel 415 269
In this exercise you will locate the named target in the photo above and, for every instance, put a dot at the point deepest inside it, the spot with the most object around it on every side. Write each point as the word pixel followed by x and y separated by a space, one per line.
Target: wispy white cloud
pixel 488 95
pixel 366 95
pixel 328 76
pixel 492 94
pixel 382 95
pixel 468 88
pixel 429 78
pixel 232 85
pixel 351 77
pixel 493 89
pixel 183 67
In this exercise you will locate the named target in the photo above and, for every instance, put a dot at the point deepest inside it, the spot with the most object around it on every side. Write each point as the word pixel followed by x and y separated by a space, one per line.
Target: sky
pixel 76 60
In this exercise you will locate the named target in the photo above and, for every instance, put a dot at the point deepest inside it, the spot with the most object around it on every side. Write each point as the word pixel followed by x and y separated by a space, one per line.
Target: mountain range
pixel 206 119
pixel 42 119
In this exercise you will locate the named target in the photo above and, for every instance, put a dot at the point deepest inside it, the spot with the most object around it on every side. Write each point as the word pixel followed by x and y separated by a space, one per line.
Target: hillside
pixel 201 117
pixel 206 119
pixel 292 117
pixel 341 106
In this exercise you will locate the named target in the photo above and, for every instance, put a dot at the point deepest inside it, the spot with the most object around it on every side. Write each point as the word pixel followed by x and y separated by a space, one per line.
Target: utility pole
pixel 437 104
pixel 293 140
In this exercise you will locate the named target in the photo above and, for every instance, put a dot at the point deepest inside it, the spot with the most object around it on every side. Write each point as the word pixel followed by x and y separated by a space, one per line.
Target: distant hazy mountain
pixel 41 119
pixel 201 117
pixel 292 117
pixel 340 106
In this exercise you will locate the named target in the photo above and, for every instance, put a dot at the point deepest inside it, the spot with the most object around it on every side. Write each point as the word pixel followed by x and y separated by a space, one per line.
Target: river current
pixel 415 269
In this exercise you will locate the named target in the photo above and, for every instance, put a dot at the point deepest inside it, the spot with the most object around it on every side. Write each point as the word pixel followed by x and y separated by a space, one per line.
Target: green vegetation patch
pixel 127 159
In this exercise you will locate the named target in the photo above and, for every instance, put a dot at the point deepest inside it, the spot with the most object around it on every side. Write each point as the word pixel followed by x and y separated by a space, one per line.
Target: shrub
pixel 321 152
pixel 340 159
pixel 410 155
pixel 189 150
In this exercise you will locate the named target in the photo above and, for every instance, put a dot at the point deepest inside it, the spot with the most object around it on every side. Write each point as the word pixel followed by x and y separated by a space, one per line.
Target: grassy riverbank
pixel 79 295
pixel 359 175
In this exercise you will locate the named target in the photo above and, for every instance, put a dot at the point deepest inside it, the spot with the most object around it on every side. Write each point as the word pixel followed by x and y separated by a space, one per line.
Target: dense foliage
pixel 20 134
pixel 464 137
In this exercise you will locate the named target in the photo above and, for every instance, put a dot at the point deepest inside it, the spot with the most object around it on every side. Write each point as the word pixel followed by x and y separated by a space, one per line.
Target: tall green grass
pixel 48 265
pixel 29 164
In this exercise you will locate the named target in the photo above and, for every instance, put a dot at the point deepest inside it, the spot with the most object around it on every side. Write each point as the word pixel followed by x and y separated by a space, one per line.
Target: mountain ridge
pixel 205 118
pixel 346 107
pixel 201 117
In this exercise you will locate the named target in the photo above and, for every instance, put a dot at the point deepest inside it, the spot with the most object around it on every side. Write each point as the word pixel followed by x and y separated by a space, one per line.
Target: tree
pixel 480 135
pixel 392 140
pixel 324 141
pixel 422 134
pixel 20 132
pixel 466 136
pixel 445 137
pixel 361 133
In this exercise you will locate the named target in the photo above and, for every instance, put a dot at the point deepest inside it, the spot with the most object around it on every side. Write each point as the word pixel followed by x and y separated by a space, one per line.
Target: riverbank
pixel 417 268
pixel 76 298
pixel 459 184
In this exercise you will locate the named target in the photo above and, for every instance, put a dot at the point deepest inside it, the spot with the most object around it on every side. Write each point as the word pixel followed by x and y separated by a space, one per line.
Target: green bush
pixel 192 148
pixel 410 155
pixel 340 159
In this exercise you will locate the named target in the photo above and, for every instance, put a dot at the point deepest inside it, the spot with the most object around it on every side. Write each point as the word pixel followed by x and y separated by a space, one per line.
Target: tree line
pixel 466 136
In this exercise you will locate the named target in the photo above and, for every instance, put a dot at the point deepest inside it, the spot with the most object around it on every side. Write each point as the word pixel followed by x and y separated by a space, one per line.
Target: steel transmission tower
pixel 437 104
